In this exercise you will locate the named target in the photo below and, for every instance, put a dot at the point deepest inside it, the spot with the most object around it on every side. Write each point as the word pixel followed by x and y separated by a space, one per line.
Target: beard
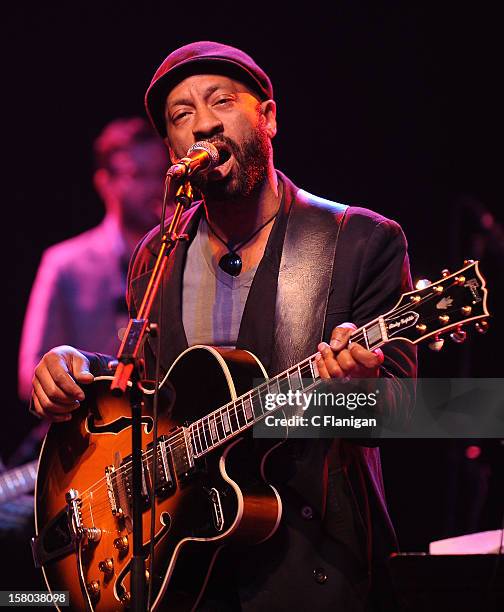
pixel 249 172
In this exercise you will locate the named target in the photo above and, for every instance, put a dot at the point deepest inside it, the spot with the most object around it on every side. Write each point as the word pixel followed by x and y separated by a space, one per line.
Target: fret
pixel 306 373
pixel 374 335
pixel 365 336
pixel 221 433
pixel 311 369
pixel 240 414
pixel 316 373
pixel 283 383
pixel 204 438
pixel 225 420
pixel 247 407
pixel 233 418
pixel 273 386
pixel 197 439
pixel 206 431
pixel 213 429
pixel 300 377
pixel 198 431
pixel 21 478
pixel 294 379
pixel 262 391
pixel 257 407
pixel 216 423
pixel 194 441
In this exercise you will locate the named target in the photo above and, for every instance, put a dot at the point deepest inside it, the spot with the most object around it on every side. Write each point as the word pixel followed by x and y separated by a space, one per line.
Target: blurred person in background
pixel 78 294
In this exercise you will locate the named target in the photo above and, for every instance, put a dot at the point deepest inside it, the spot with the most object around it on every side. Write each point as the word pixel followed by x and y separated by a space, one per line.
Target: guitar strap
pixel 304 279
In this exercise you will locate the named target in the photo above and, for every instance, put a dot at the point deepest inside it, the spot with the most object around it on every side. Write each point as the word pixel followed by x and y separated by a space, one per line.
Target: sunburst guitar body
pixel 83 493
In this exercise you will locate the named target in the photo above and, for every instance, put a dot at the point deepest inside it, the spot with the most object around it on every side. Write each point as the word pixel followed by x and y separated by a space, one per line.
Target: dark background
pixel 388 105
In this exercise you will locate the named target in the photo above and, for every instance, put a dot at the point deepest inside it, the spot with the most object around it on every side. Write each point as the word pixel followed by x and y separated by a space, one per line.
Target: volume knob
pixel 122 543
pixel 93 588
pixel 107 566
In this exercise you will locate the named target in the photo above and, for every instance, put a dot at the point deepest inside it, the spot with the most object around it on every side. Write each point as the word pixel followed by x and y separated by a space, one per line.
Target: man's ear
pixel 268 110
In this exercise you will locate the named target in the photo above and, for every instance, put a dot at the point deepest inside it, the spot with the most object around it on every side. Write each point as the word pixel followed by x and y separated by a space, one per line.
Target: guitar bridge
pixel 64 533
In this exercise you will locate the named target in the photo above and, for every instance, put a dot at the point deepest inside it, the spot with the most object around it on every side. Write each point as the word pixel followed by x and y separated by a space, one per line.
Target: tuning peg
pixel 437 344
pixel 468 261
pixel 445 273
pixel 482 327
pixel 459 335
pixel 423 283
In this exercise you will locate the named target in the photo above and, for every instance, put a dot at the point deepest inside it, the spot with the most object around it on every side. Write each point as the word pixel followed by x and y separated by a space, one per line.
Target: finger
pixel 50 387
pixel 58 370
pixel 330 361
pixel 368 359
pixel 346 361
pixel 321 367
pixel 340 335
pixel 37 408
pixel 49 405
pixel 47 414
pixel 80 369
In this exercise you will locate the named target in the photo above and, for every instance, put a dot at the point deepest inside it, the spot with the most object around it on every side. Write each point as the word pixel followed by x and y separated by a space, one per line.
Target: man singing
pixel 279 272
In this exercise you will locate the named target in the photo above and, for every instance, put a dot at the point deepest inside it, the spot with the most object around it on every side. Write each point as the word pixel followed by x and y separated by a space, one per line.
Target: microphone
pixel 202 156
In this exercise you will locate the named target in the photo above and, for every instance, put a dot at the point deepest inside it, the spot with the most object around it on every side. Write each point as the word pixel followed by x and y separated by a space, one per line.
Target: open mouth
pixel 224 154
pixel 225 162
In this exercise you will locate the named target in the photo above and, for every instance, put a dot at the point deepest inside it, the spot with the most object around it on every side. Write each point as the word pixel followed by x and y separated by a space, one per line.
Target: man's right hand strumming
pixel 56 390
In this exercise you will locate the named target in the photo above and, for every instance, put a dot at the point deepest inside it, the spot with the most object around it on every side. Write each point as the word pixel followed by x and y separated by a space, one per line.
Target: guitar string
pixel 356 336
pixel 104 505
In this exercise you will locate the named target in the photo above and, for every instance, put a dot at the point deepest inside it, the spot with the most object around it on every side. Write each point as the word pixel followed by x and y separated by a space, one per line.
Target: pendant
pixel 231 263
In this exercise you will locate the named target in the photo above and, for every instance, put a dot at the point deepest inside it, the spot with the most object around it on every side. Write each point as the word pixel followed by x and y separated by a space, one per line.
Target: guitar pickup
pixel 165 483
pixel 112 492
pixel 181 451
pixel 127 480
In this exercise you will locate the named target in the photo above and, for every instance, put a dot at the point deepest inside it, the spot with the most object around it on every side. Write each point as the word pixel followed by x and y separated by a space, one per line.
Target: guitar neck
pixel 17 481
pixel 246 411
pixel 453 301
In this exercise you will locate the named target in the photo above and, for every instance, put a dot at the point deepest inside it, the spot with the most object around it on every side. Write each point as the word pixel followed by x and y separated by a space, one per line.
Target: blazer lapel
pixel 258 319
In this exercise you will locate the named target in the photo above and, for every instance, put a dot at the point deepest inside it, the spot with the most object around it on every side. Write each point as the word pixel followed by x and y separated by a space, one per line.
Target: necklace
pixel 231 262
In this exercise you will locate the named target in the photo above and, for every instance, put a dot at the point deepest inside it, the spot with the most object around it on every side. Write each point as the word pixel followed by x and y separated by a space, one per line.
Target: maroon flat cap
pixel 204 57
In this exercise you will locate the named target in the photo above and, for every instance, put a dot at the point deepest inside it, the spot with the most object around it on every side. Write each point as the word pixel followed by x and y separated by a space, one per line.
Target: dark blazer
pixel 335 531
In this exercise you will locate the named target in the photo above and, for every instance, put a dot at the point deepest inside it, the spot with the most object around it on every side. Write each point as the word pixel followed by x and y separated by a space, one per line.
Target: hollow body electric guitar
pixel 209 488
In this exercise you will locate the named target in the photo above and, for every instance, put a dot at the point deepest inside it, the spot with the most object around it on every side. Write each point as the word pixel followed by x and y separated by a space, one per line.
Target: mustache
pixel 227 142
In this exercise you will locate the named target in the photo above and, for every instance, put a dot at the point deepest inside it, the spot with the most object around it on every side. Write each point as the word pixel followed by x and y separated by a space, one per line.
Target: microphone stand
pixel 130 368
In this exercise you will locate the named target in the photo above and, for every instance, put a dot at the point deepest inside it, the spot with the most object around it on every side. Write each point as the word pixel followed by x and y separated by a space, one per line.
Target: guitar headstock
pixel 450 303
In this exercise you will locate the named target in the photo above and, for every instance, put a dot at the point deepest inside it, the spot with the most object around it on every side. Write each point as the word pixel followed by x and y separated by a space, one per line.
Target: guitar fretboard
pixel 219 426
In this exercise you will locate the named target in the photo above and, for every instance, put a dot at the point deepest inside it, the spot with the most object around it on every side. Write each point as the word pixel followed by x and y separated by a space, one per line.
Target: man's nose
pixel 206 125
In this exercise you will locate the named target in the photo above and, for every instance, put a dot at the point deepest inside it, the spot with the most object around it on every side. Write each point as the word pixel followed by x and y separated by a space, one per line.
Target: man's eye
pixel 223 101
pixel 179 117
